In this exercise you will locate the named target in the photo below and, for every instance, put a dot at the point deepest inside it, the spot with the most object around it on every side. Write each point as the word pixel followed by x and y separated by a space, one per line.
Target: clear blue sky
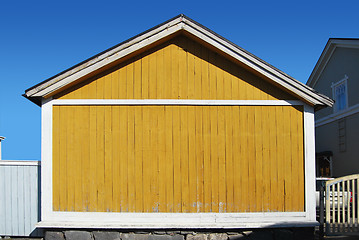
pixel 38 39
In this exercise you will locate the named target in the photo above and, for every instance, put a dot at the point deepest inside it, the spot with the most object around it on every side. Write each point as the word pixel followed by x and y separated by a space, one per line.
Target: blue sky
pixel 39 39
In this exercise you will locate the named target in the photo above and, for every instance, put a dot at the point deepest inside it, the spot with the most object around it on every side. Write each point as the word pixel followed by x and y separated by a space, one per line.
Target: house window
pixel 340 94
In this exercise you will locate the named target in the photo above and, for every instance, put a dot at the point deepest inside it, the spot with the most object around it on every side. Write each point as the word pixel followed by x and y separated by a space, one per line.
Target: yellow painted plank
pixel 116 158
pixel 70 161
pixel 228 111
pixel 192 160
pixel 161 160
pixel 212 75
pixel 56 158
pixel 273 156
pixel 169 159
pixel 160 74
pixel 190 70
pixel 108 161
pixel 205 74
pixel 222 184
pixel 154 159
pixel 207 159
pixel 240 187
pixel 129 81
pixel 122 72
pixel 219 77
pixel 138 158
pixel 266 160
pixel 108 86
pixel 214 157
pixel 145 77
pixel 152 80
pixel 85 157
pixel 252 189
pixel 100 86
pixel 259 157
pixel 167 81
pixel 100 154
pixel 177 185
pixel 78 125
pixel 115 82
pixel 147 161
pixel 175 71
pixel 199 158
pixel 93 158
pixel 197 72
pixel 131 159
pixel 280 157
pixel 123 158
pixel 184 158
pixel 183 70
pixel 137 81
pixel 287 159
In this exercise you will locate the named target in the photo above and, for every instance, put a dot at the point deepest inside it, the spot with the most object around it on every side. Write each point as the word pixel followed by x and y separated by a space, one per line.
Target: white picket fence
pixel 19 197
pixel 341 206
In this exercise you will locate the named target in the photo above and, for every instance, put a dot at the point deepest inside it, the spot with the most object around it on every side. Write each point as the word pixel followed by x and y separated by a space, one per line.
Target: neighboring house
pixel 336 74
pixel 177 128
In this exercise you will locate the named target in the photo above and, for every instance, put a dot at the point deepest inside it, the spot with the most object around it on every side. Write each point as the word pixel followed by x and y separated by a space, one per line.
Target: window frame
pixel 334 86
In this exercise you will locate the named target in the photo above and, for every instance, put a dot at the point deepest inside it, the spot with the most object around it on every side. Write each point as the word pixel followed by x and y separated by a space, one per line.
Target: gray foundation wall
pixel 254 234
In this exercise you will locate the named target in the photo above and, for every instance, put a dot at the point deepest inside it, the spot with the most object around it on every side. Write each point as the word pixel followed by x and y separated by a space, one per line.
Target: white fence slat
pixel 8 208
pixel 20 205
pixel 14 201
pixel 341 206
pixel 2 199
pixel 18 197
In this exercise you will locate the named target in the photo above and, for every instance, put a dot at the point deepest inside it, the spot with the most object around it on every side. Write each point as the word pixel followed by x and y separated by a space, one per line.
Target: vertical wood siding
pixel 178 158
pixel 19 190
pixel 178 69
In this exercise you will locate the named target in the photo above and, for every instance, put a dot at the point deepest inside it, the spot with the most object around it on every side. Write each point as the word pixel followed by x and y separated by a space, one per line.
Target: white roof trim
pixel 175 25
pixel 326 55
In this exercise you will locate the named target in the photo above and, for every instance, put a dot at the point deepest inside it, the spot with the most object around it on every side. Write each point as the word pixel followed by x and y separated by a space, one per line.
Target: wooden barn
pixel 176 127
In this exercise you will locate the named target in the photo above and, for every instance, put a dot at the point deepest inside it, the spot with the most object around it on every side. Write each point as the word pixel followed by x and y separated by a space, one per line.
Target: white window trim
pixel 333 86
pixel 52 218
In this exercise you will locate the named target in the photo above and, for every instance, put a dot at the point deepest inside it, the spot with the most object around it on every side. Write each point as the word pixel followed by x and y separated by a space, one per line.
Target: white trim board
pixel 19 163
pixel 177 102
pixel 52 218
pixel 338 115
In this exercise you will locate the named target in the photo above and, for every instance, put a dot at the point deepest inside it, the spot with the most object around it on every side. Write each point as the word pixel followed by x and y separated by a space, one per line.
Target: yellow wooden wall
pixel 178 158
pixel 178 69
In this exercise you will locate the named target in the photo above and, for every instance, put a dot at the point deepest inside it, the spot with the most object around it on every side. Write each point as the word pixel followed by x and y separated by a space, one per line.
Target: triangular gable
pixel 178 25
pixel 329 49
pixel 179 68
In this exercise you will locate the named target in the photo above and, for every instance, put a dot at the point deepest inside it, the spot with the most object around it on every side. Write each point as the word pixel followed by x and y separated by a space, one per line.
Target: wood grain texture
pixel 177 69
pixel 178 158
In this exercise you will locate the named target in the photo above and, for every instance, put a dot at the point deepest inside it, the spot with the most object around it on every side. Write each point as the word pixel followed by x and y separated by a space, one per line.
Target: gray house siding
pixel 344 61
pixel 343 142
pixel 339 133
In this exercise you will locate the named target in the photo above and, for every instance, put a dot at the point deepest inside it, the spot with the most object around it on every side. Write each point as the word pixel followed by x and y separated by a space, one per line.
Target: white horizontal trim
pixel 19 163
pixel 177 102
pixel 173 220
pixel 338 115
pixel 119 225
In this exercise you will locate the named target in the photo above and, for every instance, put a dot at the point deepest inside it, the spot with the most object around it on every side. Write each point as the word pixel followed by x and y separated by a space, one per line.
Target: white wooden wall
pixel 19 197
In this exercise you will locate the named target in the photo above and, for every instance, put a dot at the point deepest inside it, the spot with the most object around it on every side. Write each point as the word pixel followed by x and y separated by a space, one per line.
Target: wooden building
pixel 176 128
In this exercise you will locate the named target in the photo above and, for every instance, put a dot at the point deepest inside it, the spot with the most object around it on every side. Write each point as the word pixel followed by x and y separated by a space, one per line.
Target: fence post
pixel 321 212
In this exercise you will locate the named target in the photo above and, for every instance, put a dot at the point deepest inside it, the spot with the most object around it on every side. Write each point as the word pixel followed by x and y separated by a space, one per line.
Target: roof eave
pixel 180 23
